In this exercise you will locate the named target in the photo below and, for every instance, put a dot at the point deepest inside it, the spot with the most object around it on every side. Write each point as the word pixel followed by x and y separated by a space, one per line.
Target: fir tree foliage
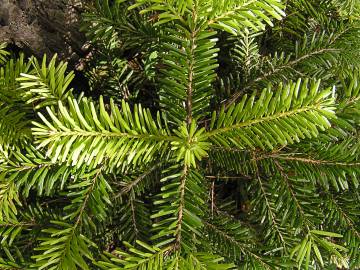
pixel 214 135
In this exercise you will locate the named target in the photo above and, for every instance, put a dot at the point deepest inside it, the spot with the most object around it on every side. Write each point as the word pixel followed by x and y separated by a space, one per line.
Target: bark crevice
pixel 41 26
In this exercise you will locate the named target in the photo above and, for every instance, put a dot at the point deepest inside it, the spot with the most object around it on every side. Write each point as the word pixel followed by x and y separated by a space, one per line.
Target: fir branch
pixel 130 186
pixel 183 177
pixel 291 64
pixel 243 248
pixel 270 210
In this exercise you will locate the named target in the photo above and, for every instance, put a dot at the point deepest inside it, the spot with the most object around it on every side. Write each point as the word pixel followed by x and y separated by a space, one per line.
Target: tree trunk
pixel 42 26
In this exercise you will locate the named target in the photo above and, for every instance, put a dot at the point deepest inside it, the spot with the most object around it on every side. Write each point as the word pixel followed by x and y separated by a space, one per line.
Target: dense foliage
pixel 212 135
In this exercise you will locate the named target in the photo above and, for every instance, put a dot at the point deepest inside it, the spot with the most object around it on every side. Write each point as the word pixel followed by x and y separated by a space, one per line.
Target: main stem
pixel 191 74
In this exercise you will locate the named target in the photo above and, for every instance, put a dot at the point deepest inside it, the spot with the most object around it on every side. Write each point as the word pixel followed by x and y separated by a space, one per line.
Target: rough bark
pixel 43 26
